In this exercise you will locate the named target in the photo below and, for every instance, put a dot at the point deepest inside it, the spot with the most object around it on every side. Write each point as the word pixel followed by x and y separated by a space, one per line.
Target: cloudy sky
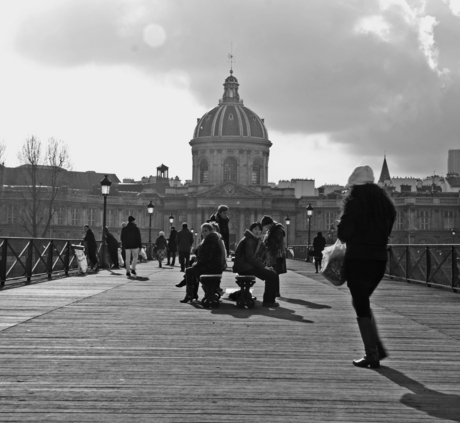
pixel 338 82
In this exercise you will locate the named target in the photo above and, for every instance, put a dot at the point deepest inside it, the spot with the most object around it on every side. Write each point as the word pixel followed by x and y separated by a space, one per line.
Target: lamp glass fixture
pixel 105 185
pixel 171 219
pixel 150 207
pixel 309 210
pixel 287 220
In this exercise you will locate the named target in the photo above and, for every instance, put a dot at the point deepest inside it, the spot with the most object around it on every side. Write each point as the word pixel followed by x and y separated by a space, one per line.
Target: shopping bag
pixel 81 258
pixel 121 262
pixel 332 265
pixel 143 253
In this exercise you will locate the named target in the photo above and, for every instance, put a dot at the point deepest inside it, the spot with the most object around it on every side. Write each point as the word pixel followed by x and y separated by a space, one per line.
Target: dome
pixel 230 118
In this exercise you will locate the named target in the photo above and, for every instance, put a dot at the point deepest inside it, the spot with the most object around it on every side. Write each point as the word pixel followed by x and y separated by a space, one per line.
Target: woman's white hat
pixel 360 176
pixel 162 233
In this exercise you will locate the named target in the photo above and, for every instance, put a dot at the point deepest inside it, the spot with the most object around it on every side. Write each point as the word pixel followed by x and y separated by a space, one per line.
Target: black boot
pixel 368 335
pixel 181 283
pixel 380 347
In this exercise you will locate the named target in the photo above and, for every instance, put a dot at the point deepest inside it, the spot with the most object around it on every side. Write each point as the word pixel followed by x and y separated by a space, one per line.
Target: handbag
pixel 333 264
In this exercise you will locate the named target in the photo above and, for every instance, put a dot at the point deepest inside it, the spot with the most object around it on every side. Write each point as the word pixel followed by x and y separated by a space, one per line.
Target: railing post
pixel 3 262
pixel 29 261
pixel 390 261
pixel 67 258
pixel 454 269
pixel 49 262
pixel 428 265
pixel 407 263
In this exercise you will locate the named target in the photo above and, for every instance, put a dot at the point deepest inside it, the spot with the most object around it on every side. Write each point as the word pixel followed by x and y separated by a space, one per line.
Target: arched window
pixel 204 172
pixel 256 171
pixel 230 169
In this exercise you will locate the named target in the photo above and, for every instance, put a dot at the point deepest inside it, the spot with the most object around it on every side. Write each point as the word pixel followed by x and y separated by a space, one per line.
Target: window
pixel 329 219
pixel 230 116
pixel 424 217
pixel 204 172
pixel 449 218
pixel 91 217
pixel 399 221
pixel 256 168
pixel 11 213
pixel 59 216
pixel 75 216
pixel 230 169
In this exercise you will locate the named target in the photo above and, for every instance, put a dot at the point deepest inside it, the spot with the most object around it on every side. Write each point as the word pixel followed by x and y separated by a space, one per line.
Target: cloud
pixel 372 75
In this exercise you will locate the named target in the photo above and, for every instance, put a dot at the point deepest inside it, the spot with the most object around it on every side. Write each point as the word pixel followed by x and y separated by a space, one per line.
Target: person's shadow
pixel 307 304
pixel 433 403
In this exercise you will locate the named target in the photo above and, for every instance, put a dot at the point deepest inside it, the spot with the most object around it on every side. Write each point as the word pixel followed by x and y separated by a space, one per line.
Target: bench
pixel 210 284
pixel 245 298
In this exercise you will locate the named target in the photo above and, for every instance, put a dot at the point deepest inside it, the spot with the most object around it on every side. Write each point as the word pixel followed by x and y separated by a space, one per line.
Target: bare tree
pixel 44 173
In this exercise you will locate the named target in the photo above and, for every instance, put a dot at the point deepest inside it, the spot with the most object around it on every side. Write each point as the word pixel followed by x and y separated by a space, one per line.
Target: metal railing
pixel 430 264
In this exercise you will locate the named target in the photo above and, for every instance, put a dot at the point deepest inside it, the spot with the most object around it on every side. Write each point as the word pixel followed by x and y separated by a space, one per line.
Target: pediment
pixel 230 189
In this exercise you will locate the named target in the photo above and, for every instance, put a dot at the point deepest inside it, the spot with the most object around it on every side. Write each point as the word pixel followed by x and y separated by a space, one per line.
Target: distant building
pixel 453 162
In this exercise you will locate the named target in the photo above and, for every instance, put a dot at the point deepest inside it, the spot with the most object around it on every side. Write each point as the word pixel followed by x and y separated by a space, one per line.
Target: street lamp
pixel 171 221
pixel 309 215
pixel 150 209
pixel 288 222
pixel 105 189
pixel 453 235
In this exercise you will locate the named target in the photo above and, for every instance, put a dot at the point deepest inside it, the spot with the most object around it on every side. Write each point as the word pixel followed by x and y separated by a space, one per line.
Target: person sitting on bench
pixel 249 261
pixel 209 262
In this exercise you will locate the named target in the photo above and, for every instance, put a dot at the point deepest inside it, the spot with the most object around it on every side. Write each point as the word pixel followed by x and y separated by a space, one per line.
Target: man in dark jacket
pixel 184 242
pixel 172 247
pixel 91 247
pixel 248 261
pixel 222 219
pixel 319 242
pixel 131 240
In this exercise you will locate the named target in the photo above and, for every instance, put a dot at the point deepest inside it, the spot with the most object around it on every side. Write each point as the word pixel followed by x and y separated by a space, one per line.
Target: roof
pixel 385 173
pixel 453 181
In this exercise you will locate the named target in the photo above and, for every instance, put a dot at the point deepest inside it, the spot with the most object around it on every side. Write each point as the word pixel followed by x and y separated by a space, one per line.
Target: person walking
pixel 91 248
pixel 249 260
pixel 131 240
pixel 184 242
pixel 160 247
pixel 112 245
pixel 276 251
pixel 172 247
pixel 222 219
pixel 366 223
pixel 319 242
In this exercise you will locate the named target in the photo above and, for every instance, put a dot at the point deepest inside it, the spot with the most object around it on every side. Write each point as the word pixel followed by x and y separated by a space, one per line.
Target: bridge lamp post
pixel 309 215
pixel 171 222
pixel 105 189
pixel 150 210
pixel 288 222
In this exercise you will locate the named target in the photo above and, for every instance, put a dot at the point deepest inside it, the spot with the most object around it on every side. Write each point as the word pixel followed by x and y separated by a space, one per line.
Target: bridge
pixel 105 348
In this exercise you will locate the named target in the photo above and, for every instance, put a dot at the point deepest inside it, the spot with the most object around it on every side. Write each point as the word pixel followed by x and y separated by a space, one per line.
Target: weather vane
pixel 231 58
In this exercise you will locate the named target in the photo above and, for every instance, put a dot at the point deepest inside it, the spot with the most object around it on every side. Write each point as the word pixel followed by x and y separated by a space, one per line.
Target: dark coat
pixel 364 241
pixel 90 240
pixel 246 256
pixel 276 254
pixel 112 242
pixel 172 245
pixel 160 243
pixel 184 240
pixel 223 229
pixel 131 236
pixel 209 257
pixel 319 242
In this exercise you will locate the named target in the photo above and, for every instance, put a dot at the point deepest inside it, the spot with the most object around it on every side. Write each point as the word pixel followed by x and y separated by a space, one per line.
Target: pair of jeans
pixel 363 276
pixel 271 279
pixel 171 254
pixel 134 252
pixel 184 259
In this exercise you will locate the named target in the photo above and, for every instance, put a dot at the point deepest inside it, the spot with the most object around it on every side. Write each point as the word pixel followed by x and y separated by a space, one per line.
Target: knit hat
pixel 266 220
pixel 162 233
pixel 131 219
pixel 360 176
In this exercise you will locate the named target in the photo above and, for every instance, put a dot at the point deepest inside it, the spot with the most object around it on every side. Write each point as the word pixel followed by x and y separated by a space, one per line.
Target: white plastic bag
pixel 121 262
pixel 143 253
pixel 81 259
pixel 332 265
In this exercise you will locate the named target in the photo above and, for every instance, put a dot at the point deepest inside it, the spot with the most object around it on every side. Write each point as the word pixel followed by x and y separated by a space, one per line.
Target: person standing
pixel 319 242
pixel 91 247
pixel 172 247
pixel 276 251
pixel 222 219
pixel 131 240
pixel 365 225
pixel 112 245
pixel 184 242
pixel 160 247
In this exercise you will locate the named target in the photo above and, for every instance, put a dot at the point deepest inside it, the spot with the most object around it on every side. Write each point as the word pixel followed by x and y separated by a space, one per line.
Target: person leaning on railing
pixel 365 225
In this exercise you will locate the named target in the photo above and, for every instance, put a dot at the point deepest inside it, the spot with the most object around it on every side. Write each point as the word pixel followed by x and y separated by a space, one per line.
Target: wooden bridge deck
pixel 104 348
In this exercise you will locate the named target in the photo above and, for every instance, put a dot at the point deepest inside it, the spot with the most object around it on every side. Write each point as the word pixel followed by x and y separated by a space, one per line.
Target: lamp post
pixel 171 221
pixel 288 222
pixel 150 209
pixel 453 235
pixel 105 189
pixel 309 215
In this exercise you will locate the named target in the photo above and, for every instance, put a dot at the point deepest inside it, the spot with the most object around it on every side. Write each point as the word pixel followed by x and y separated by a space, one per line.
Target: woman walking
pixel 366 223
pixel 160 247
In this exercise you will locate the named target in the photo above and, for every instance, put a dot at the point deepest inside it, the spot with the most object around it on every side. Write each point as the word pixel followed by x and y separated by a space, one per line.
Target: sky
pixel 340 83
